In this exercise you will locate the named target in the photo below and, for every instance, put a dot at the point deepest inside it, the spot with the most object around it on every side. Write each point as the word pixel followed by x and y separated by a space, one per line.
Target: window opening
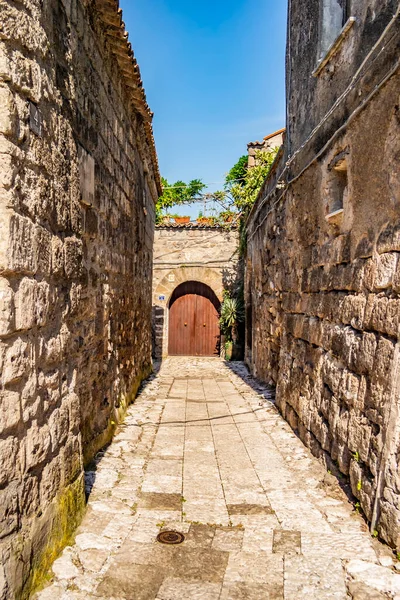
pixel 337 185
pixel 334 14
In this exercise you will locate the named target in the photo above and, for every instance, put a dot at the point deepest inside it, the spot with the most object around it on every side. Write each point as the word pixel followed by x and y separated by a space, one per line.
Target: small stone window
pixel 334 14
pixel 336 189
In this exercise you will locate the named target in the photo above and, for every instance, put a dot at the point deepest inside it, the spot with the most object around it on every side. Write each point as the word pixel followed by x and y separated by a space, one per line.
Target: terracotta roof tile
pixel 267 137
pixel 110 15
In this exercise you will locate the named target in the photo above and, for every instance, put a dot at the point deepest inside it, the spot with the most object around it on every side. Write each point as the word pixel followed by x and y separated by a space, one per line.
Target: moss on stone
pixel 68 509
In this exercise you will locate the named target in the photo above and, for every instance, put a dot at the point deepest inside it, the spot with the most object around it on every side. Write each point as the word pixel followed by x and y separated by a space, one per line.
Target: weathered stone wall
pixel 191 253
pixel 323 269
pixel 77 193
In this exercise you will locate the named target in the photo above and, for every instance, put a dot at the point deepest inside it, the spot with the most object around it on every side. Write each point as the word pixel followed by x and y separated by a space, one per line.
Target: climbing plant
pixel 177 194
pixel 244 192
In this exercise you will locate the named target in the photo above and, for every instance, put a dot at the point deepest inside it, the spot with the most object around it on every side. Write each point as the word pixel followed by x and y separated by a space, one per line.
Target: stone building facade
pixel 323 268
pixel 268 143
pixel 78 183
pixel 200 253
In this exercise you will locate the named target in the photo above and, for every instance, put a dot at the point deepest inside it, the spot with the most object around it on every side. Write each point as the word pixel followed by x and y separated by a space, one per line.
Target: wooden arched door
pixel 194 321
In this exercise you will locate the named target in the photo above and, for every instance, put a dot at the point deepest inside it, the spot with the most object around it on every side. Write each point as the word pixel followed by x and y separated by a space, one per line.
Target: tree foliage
pixel 241 188
pixel 245 194
pixel 238 172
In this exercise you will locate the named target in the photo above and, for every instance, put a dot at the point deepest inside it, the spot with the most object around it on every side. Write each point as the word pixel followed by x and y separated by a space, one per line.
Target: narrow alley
pixel 204 452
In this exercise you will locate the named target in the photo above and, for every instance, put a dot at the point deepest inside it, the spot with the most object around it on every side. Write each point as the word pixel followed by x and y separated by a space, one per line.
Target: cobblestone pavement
pixel 203 451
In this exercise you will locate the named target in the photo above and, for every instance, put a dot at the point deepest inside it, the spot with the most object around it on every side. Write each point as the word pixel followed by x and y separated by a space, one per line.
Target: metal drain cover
pixel 170 537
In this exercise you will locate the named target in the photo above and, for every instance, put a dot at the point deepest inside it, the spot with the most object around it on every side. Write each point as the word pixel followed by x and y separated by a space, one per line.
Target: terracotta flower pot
pixel 182 220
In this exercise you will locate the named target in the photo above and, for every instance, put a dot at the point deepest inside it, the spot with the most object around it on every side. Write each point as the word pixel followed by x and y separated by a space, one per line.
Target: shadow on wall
pixel 157 330
pixel 233 279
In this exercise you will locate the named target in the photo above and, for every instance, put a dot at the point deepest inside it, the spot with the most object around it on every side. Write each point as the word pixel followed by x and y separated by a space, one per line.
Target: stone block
pixel 3 582
pixel 4 63
pixel 8 112
pixel 57 256
pixel 73 258
pixel 52 351
pixel 342 426
pixel 31 401
pixel 364 354
pixel 382 368
pixel 396 279
pixel 376 312
pixel 29 495
pixel 352 309
pixel 64 330
pixel 5 225
pixel 10 466
pixel 349 387
pixel 72 459
pixel 343 457
pixel 8 169
pixel 25 304
pixel 364 248
pixel 389 239
pixel 6 307
pixel 385 270
pixel 74 416
pixel 50 481
pixel 331 373
pixel 37 444
pixel 359 436
pixel 42 304
pixel 9 509
pixel 393 318
pixel 17 363
pixel 58 426
pixel 42 250
pixel 10 410
pixel 389 520
pixel 21 248
pixel 370 267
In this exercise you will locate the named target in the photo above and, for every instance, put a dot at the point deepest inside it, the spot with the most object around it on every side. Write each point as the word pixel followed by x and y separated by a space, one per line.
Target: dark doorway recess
pixel 194 321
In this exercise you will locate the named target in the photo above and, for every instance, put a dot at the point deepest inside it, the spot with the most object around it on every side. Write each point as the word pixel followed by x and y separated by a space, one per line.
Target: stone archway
pixel 193 321
pixel 162 294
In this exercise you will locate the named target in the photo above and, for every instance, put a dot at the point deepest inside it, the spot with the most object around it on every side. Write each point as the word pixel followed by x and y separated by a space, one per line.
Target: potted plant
pixel 232 314
pixel 206 220
pixel 227 216
pixel 182 220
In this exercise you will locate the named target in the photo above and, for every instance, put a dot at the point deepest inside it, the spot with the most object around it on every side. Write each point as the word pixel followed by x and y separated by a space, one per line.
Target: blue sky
pixel 214 74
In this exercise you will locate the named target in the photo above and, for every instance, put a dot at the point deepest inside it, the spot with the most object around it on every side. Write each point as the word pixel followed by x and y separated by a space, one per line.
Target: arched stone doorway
pixel 194 321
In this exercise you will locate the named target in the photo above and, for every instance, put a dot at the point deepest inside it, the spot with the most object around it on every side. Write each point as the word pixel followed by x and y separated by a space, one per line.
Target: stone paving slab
pixel 204 451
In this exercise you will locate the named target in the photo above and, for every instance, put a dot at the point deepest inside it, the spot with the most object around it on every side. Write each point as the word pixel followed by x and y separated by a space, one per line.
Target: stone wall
pixel 323 269
pixel 190 253
pixel 78 182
